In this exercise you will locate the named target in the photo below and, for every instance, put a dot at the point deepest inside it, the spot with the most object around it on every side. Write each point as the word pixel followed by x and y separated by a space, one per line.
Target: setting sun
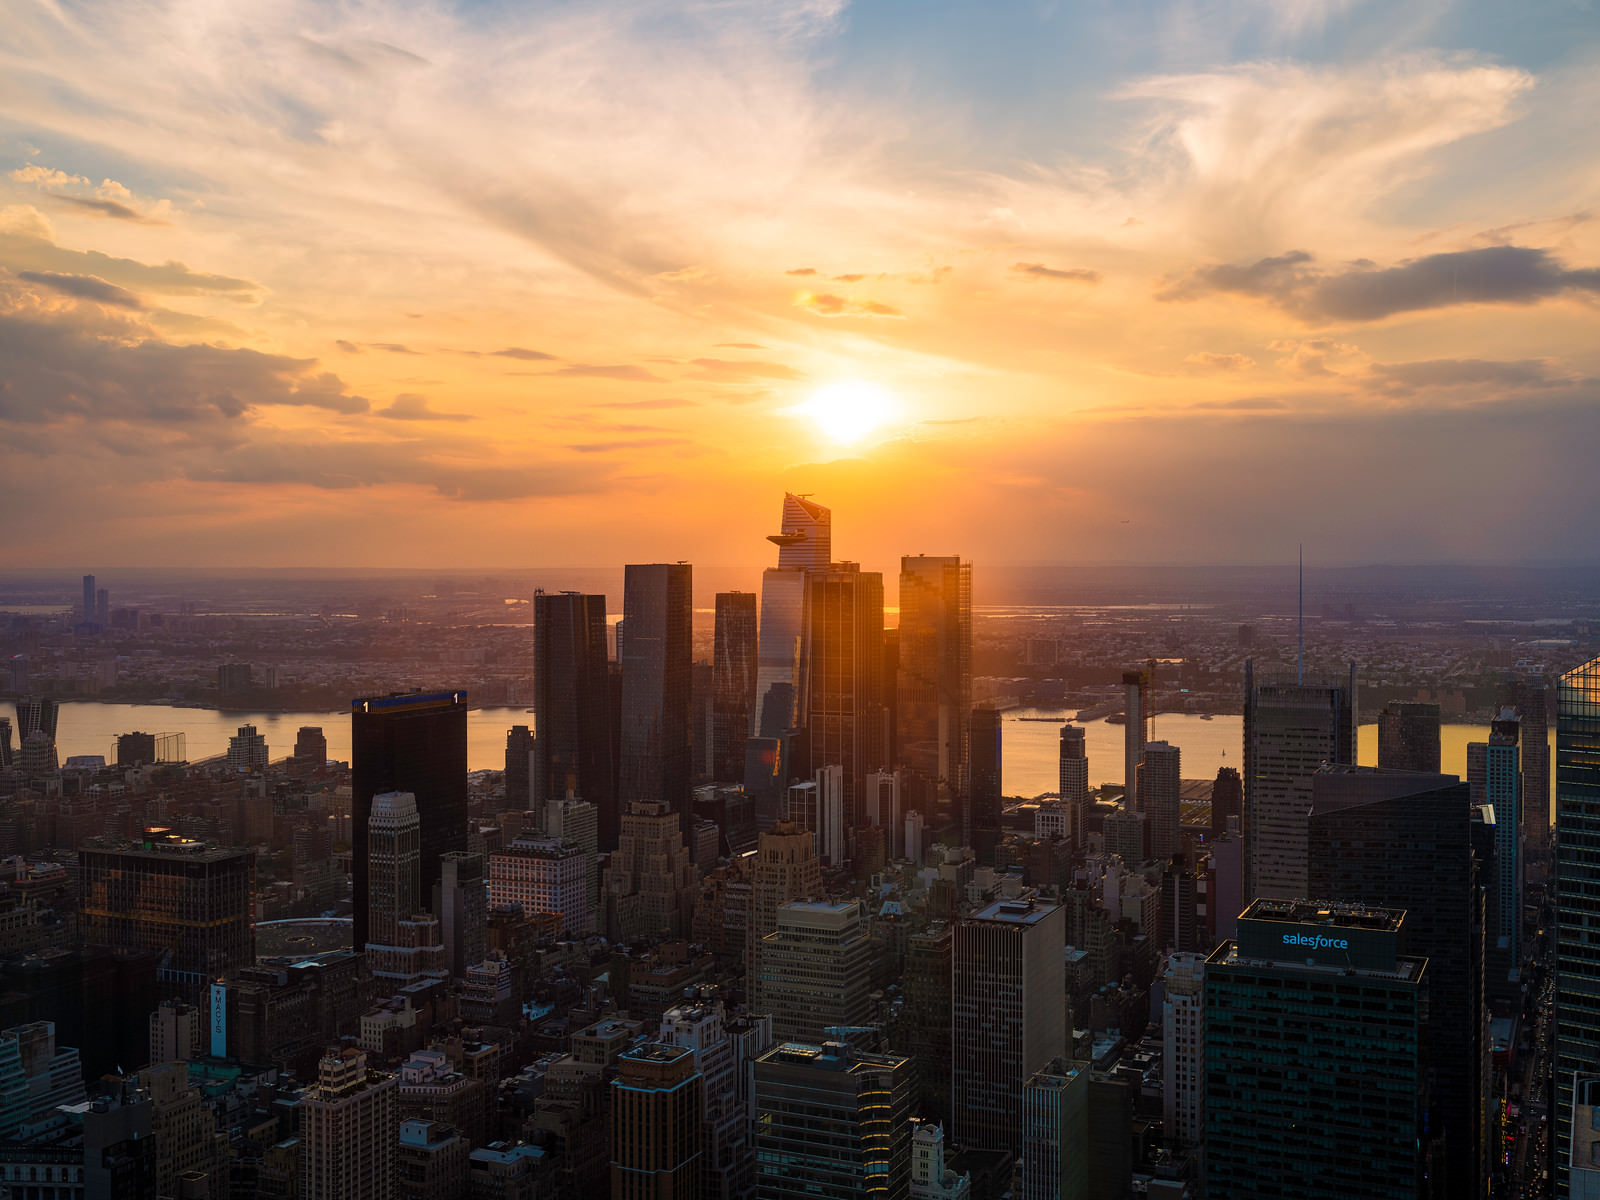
pixel 847 412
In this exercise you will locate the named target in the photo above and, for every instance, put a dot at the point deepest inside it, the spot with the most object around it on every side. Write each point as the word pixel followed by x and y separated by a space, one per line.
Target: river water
pixel 1029 748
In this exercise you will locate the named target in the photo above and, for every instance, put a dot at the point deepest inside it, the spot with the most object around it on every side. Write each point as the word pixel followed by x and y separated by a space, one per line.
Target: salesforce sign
pixel 1324 943
pixel 1316 941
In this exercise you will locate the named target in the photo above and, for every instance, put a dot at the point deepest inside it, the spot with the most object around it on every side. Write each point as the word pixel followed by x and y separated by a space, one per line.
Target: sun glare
pixel 849 411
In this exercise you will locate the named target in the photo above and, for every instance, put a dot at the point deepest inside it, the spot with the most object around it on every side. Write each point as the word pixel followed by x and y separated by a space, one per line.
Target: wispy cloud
pixel 1072 274
pixel 83 287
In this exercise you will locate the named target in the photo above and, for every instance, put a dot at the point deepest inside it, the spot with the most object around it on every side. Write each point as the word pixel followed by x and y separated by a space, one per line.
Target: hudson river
pixel 1029 748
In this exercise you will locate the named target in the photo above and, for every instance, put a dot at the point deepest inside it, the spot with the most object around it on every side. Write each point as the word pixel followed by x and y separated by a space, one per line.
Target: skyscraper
pixel 1227 799
pixel 884 809
pixel 654 647
pixel 1008 1018
pixel 816 969
pixel 980 812
pixel 1135 685
pixel 394 866
pixel 1532 699
pixel 650 884
pixel 349 1124
pixel 1314 1026
pixel 1160 797
pixel 1577 940
pixel 1499 763
pixel 845 719
pixel 542 875
pixel 1408 736
pixel 1183 1050
pixel 413 743
pixel 924 1029
pixel 832 1123
pixel 1055 1132
pixel 657 1111
pixel 88 608
pixel 1403 840
pixel 805 543
pixel 733 662
pixel 247 751
pixel 1290 730
pixel 574 748
pixel 1074 783
pixel 786 869
pixel 463 909
pixel 933 688
pixel 38 714
pixel 519 768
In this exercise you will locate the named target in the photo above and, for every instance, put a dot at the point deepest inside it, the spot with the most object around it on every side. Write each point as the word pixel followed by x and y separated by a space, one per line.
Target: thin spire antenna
pixel 1300 668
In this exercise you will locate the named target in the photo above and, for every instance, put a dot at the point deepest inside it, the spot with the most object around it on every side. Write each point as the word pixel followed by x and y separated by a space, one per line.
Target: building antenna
pixel 1300 668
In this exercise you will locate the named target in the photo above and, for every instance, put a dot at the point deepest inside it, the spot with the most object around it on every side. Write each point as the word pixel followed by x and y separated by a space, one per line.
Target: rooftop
pixel 1320 912
pixel 1015 912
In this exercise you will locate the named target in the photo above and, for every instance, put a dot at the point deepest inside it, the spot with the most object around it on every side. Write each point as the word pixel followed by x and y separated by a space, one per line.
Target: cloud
pixel 665 402
pixel 634 444
pixel 802 271
pixel 25 249
pixel 46 176
pixel 525 355
pixel 826 304
pixel 1040 271
pixel 1312 356
pixel 1207 360
pixel 722 368
pixel 1241 404
pixel 1365 292
pixel 83 287
pixel 622 371
pixel 393 347
pixel 848 278
pixel 410 407
pixel 348 347
pixel 740 346
pixel 106 208
pixel 1407 378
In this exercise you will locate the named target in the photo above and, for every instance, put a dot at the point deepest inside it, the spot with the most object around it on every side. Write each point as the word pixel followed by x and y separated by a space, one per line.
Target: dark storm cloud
pixel 83 287
pixel 1071 274
pixel 1365 292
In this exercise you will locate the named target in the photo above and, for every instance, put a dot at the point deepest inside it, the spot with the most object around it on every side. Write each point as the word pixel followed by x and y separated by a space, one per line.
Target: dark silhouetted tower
pixel 933 693
pixel 981 811
pixel 845 720
pixel 1577 941
pixel 519 768
pixel 574 743
pixel 734 686
pixel 413 743
pixel 654 645
pixel 1408 736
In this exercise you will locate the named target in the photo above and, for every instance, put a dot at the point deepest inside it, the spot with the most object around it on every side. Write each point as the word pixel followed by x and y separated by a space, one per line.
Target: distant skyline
pixel 438 285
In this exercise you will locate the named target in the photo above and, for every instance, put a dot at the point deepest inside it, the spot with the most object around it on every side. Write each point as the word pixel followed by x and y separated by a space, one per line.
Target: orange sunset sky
pixel 409 284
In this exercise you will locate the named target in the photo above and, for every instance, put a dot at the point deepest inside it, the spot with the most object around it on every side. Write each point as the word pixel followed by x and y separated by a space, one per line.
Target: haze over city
pixel 448 286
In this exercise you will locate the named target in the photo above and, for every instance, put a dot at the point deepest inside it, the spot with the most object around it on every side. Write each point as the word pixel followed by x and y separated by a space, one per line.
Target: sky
pixel 519 284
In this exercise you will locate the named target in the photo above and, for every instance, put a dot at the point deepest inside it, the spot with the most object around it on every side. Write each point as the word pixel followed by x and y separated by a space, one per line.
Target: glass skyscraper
pixel 933 688
pixel 656 652
pixel 574 741
pixel 1577 896
pixel 733 663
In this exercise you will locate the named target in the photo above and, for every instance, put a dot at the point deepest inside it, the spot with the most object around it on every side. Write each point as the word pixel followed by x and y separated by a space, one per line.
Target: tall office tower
pixel 915 827
pixel 733 661
pixel 1531 699
pixel 701 1025
pixel 394 866
pixel 8 754
pixel 1008 1019
pixel 816 969
pixel 1183 1050
pixel 175 1032
pixel 519 768
pixel 413 743
pixel 882 809
pixel 654 647
pixel 819 805
pixel 247 751
pixel 650 884
pixel 187 901
pixel 38 714
pixel 891 686
pixel 1314 1024
pixel 311 746
pixel 349 1125
pixel 1577 940
pixel 1074 783
pixel 1290 730
pixel 1227 799
pixel 845 717
pixel 786 869
pixel 463 908
pixel 36 1075
pixel 1403 840
pixel 1160 798
pixel 933 691
pixel 542 875
pixel 574 747
pixel 924 1029
pixel 1136 706
pixel 87 608
pixel 1408 736
pixel 1494 769
pixel 657 1112
pixel 984 801
pixel 832 1122
pixel 1055 1132
pixel 576 823
pixel 102 608
pixel 806 543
